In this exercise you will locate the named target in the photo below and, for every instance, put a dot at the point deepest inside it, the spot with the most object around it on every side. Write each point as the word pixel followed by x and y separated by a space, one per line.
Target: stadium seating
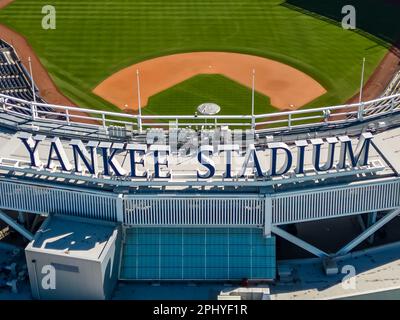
pixel 15 81
pixel 380 107
pixel 3 44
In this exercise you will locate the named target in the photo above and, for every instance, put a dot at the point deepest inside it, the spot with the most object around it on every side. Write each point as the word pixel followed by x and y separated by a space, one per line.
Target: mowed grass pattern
pixel 185 97
pixel 96 38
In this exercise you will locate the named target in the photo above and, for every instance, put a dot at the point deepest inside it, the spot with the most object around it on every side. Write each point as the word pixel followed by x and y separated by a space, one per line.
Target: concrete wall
pixel 83 277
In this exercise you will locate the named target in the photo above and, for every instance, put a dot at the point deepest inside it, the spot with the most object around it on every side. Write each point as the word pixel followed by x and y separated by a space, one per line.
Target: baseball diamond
pixel 201 142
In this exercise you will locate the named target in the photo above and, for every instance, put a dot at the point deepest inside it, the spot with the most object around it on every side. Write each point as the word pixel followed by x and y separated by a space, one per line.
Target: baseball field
pixel 95 40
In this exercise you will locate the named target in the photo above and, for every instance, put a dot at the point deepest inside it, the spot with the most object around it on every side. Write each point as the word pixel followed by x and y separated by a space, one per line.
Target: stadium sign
pixel 84 157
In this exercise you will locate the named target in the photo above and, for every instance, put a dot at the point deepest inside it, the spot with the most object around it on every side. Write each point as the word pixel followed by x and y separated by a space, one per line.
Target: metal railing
pixel 52 199
pixel 242 210
pixel 251 210
pixel 205 209
pixel 289 120
pixel 308 205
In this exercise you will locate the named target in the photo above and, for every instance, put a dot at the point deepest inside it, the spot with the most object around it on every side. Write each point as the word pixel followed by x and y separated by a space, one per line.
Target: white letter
pixel 349 281
pixel 206 162
pixel 349 21
pixel 160 161
pixel 57 147
pixel 109 162
pixel 49 20
pixel 360 155
pixel 49 280
pixel 251 157
pixel 275 146
pixel 228 154
pixel 81 154
pixel 31 145
pixel 137 150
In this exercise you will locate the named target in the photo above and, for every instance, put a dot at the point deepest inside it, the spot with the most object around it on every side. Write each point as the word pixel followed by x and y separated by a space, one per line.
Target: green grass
pixel 96 38
pixel 184 98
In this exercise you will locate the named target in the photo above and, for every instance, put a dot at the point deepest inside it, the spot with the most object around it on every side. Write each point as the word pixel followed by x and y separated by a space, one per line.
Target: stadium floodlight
pixel 139 101
pixel 252 99
pixel 362 80
pixel 34 112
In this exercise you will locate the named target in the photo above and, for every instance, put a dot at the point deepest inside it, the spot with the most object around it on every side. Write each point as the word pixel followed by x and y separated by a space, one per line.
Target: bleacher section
pixel 3 44
pixel 380 107
pixel 15 81
pixel 392 89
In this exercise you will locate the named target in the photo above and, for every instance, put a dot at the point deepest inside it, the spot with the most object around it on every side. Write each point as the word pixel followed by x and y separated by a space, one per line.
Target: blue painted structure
pixel 197 254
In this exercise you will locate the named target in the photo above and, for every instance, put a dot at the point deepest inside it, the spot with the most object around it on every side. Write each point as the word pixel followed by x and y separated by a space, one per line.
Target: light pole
pixel 252 99
pixel 139 102
pixel 34 112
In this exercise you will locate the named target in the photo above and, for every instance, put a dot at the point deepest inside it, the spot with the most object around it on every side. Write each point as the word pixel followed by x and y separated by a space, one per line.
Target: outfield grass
pixel 94 39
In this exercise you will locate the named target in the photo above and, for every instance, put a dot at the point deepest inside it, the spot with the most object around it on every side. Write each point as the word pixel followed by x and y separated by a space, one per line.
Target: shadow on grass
pixel 375 19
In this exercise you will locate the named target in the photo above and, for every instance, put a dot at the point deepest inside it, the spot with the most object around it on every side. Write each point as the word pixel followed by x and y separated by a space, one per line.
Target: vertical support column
pixel 205 253
pixel 34 112
pixel 183 254
pixel 103 121
pixel 21 217
pixel 251 253
pixel 139 123
pixel 360 113
pixel 361 222
pixel 120 208
pixel 121 250
pixel 139 116
pixel 253 120
pixel 370 222
pixel 67 116
pixel 159 253
pixel 267 216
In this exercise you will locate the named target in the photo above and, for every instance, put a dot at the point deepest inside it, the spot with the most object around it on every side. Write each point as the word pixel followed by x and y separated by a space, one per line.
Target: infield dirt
pixel 372 89
pixel 287 87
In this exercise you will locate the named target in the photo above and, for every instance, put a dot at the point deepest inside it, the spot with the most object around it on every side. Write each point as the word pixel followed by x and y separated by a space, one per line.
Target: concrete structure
pixel 184 226
pixel 254 293
pixel 366 274
pixel 83 254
